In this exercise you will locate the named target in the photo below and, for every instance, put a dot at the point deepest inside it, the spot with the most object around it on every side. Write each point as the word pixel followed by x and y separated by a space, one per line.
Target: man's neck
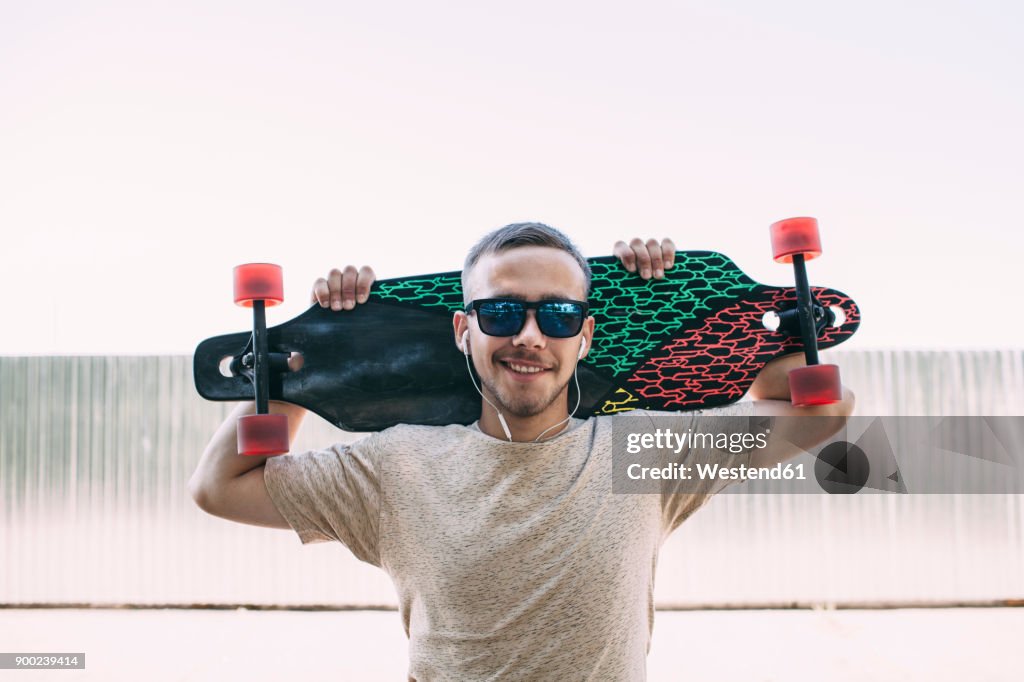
pixel 545 425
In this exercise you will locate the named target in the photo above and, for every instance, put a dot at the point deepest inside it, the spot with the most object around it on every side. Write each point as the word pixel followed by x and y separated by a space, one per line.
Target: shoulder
pixel 416 437
pixel 368 453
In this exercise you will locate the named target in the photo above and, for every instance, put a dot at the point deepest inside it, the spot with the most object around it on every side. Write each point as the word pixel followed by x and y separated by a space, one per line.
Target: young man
pixel 512 557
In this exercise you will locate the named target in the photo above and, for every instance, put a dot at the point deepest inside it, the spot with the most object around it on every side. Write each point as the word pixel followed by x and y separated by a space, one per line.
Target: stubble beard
pixel 529 404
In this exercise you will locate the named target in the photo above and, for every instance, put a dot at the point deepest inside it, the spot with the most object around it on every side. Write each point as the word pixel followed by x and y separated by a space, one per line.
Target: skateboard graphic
pixel 696 339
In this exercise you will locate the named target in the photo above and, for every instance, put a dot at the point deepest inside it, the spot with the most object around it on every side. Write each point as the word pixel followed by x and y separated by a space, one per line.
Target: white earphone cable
pixel 578 396
pixel 501 417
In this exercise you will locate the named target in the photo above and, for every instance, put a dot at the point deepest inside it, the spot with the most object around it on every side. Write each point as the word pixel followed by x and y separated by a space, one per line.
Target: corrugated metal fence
pixel 95 453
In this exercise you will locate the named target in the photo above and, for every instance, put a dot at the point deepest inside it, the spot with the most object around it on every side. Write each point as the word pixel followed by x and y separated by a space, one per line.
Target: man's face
pixel 528 373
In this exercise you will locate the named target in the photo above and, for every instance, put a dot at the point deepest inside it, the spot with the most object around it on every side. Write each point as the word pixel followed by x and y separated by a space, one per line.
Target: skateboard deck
pixel 693 340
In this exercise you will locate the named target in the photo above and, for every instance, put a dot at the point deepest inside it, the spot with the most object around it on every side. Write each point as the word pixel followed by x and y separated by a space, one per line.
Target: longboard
pixel 696 339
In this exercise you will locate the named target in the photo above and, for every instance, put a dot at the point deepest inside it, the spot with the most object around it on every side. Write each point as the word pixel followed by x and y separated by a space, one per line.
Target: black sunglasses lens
pixel 557 319
pixel 501 318
pixel 560 319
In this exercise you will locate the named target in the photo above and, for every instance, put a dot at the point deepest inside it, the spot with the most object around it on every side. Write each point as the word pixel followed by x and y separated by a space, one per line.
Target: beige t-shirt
pixel 512 561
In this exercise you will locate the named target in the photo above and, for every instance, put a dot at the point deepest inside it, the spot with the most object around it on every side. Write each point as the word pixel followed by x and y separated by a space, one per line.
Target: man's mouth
pixel 523 368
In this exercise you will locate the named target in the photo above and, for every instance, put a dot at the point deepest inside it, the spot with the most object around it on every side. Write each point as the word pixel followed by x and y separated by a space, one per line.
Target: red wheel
pixel 258 282
pixel 263 434
pixel 815 385
pixel 793 236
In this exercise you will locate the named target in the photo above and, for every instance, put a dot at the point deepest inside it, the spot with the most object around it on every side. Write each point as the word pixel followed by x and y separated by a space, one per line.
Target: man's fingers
pixel 625 255
pixel 334 285
pixel 643 257
pixel 650 258
pixel 668 252
pixel 657 265
pixel 342 289
pixel 348 287
pixel 363 283
pixel 321 293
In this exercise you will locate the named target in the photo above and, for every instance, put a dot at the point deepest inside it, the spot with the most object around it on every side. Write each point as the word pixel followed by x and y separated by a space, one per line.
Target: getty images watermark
pixel 722 467
pixel 692 454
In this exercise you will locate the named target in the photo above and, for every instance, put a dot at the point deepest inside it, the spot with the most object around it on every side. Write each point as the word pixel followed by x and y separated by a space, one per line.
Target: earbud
pixel 583 348
pixel 464 343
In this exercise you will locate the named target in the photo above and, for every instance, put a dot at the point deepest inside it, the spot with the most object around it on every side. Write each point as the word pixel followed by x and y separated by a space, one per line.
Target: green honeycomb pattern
pixel 442 291
pixel 633 317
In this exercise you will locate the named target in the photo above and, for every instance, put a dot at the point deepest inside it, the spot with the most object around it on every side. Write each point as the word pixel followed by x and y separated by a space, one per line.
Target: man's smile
pixel 524 370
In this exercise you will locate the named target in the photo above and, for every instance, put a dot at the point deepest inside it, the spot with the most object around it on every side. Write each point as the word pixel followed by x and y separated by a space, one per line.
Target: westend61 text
pixel 706 472
pixel 667 439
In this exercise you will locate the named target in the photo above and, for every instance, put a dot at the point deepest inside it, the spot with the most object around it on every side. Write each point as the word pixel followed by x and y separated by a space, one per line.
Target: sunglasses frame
pixel 475 305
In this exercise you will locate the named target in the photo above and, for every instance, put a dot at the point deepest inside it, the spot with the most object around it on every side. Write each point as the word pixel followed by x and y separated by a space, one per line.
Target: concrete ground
pixel 933 645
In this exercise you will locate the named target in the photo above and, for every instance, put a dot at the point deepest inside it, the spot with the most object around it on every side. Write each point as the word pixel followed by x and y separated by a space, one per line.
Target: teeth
pixel 523 369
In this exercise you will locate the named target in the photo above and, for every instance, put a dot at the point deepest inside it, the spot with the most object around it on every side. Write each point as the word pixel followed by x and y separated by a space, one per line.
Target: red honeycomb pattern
pixel 716 363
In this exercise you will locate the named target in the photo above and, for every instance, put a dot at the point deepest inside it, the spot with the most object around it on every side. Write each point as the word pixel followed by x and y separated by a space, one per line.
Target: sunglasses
pixel 556 318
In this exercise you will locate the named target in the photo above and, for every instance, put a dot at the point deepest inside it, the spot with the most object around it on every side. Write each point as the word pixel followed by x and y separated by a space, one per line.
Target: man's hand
pixel 770 393
pixel 772 382
pixel 342 289
pixel 651 258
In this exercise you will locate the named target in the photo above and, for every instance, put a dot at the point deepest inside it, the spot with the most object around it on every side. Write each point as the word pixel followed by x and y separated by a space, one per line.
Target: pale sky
pixel 147 148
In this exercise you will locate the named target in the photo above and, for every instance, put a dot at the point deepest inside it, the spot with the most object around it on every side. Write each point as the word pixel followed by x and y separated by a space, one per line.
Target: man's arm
pixel 231 485
pixel 792 434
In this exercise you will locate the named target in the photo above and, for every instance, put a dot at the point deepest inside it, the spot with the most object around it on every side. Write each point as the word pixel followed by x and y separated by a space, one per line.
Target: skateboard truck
pixel 788 321
pixel 796 240
pixel 257 286
pixel 244 364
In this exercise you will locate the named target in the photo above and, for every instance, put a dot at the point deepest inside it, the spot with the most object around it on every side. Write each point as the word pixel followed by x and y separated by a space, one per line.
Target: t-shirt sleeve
pixel 332 494
pixel 681 498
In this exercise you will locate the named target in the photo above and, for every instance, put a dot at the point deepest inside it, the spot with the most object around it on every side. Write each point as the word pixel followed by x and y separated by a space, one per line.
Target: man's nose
pixel 530 335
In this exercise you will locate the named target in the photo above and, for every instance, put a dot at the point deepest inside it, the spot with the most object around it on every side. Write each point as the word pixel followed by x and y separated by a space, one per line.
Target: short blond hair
pixel 523 234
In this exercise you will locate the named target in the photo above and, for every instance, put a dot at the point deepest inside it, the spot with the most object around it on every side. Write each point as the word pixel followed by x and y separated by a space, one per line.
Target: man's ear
pixel 588 334
pixel 460 325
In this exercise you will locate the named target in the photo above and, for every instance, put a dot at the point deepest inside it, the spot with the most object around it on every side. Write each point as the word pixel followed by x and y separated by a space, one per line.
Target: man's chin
pixel 518 408
pixel 525 411
pixel 523 407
